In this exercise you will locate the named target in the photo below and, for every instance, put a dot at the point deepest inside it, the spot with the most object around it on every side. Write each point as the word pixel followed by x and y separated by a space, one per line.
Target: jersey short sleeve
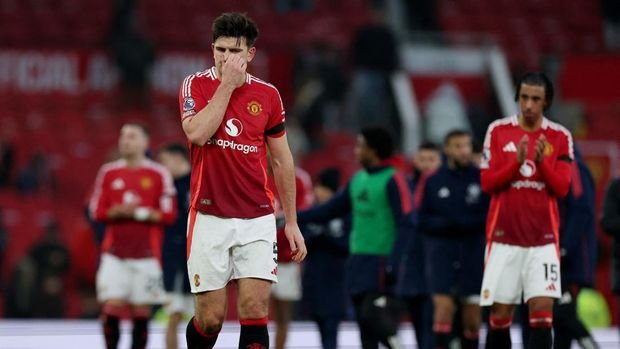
pixel 191 98
pixel 275 125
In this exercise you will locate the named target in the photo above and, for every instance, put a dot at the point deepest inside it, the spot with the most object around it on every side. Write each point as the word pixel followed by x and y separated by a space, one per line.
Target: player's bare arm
pixel 201 127
pixel 284 175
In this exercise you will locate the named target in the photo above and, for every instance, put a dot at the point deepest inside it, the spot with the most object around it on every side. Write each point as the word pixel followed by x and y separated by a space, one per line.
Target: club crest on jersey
pixel 196 280
pixel 188 104
pixel 146 182
pixel 548 149
pixel 255 108
pixel 528 168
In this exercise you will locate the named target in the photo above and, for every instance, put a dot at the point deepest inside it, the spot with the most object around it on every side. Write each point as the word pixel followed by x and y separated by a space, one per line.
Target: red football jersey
pixel 304 197
pixel 523 209
pixel 229 176
pixel 149 185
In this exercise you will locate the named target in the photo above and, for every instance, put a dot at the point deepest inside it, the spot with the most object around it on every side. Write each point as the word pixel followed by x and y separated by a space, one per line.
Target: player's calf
pixel 199 339
pixel 498 336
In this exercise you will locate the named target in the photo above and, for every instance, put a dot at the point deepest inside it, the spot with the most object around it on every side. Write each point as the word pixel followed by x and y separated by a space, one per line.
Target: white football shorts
pixel 513 273
pixel 137 281
pixel 288 287
pixel 179 301
pixel 224 249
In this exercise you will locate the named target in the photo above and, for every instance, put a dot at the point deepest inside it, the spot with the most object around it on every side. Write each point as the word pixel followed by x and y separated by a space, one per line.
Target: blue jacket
pixel 323 283
pixel 411 278
pixel 578 240
pixel 453 203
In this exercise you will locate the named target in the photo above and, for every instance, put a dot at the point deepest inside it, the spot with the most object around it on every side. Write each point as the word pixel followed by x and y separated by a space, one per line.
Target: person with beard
pixel 451 218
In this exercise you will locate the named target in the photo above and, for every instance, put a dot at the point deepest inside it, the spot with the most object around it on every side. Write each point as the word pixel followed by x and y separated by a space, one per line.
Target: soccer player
pixel 231 118
pixel 451 218
pixel 135 197
pixel 379 201
pixel 175 158
pixel 288 288
pixel 578 243
pixel 526 167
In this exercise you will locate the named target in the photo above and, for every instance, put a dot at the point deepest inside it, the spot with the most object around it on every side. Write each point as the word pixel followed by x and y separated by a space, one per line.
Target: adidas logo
pixel 551 287
pixel 510 148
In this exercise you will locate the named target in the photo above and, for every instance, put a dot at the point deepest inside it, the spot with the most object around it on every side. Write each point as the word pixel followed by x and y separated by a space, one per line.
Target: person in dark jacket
pixel 324 294
pixel 175 158
pixel 610 222
pixel 452 217
pixel 379 201
pixel 411 288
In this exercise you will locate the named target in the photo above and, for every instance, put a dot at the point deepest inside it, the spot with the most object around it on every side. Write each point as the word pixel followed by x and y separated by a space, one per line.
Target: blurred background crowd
pixel 72 72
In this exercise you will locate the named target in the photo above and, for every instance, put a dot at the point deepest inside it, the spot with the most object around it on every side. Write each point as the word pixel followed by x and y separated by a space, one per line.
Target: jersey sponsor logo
pixel 255 108
pixel 510 148
pixel 528 185
pixel 528 168
pixel 233 127
pixel 223 143
pixel 130 197
pixel 188 104
pixel 118 184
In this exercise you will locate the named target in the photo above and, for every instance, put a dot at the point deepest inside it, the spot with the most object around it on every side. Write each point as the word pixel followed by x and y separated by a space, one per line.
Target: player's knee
pixel 540 304
pixel 541 319
pixel 253 307
pixel 209 322
pixel 499 323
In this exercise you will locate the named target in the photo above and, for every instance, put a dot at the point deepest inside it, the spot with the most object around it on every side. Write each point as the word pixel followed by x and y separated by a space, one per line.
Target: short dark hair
pixel 142 126
pixel 537 79
pixel 329 178
pixel 428 145
pixel 175 148
pixel 379 140
pixel 235 25
pixel 455 133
